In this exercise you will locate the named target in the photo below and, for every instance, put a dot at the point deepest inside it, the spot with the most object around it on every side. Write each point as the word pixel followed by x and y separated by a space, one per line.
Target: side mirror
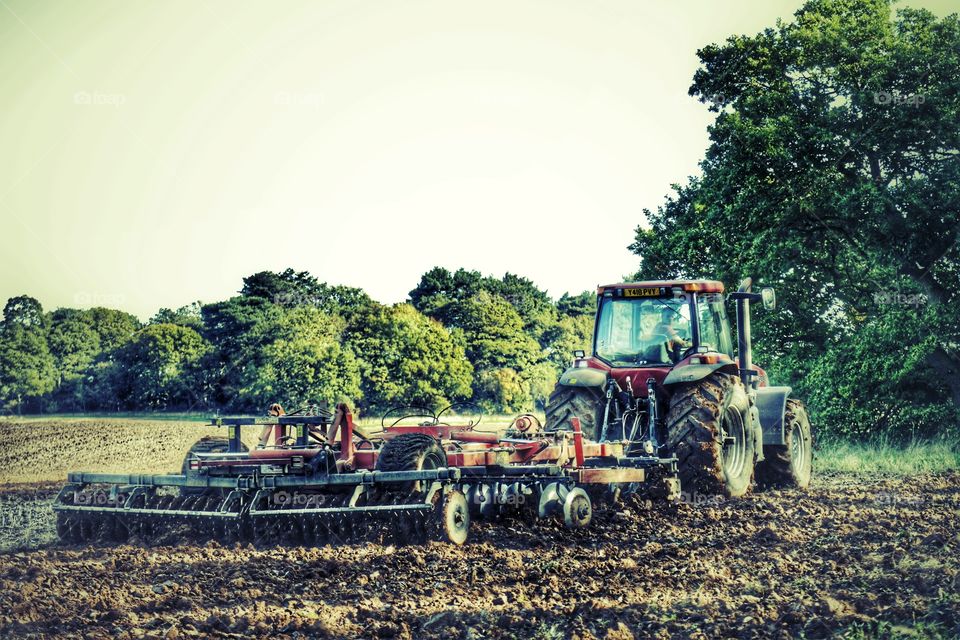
pixel 769 297
pixel 578 353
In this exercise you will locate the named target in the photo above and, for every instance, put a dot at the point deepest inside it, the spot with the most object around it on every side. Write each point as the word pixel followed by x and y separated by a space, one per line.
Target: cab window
pixel 714 325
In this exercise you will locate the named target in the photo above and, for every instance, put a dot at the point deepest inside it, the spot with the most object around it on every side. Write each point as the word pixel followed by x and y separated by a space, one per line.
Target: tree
pixel 291 288
pixel 440 290
pixel 532 304
pixel 832 174
pixel 23 311
pixel 288 287
pixel 185 316
pixel 570 334
pixel 73 341
pixel 74 345
pixel 306 364
pixel 583 304
pixel 494 333
pixel 114 327
pixel 408 358
pixel 153 365
pixel 239 329
pixel 27 369
pixel 496 342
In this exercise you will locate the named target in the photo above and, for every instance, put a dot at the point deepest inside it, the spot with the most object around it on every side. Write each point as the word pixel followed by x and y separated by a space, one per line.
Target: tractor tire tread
pixel 585 403
pixel 404 452
pixel 694 433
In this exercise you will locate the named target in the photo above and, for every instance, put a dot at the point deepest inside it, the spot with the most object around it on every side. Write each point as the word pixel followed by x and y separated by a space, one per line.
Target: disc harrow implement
pixel 317 480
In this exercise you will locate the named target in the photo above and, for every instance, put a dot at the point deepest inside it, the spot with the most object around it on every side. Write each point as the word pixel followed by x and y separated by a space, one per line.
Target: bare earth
pixel 857 556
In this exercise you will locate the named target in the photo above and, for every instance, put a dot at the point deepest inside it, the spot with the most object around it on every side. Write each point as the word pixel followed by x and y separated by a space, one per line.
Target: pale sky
pixel 154 152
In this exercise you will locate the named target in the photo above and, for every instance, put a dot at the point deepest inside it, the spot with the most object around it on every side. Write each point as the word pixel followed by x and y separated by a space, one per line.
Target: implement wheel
pixel 790 464
pixel 710 436
pixel 577 509
pixel 412 452
pixel 586 403
pixel 454 518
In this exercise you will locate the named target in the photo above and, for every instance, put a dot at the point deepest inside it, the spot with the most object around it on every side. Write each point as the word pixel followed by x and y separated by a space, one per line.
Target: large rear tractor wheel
pixel 707 430
pixel 203 445
pixel 790 464
pixel 586 403
pixel 412 452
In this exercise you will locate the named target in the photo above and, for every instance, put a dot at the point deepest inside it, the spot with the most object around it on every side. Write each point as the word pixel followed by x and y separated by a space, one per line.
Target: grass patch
pixel 881 456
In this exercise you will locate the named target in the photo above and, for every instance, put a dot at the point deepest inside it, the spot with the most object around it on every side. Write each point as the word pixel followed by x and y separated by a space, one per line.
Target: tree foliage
pixel 291 288
pixel 27 369
pixel 833 174
pixel 408 358
pixel 186 316
pixel 153 369
pixel 289 338
pixel 306 365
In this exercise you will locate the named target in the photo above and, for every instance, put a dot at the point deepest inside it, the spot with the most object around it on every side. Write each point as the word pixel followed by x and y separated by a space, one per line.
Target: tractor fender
pixel 583 377
pixel 694 372
pixel 772 403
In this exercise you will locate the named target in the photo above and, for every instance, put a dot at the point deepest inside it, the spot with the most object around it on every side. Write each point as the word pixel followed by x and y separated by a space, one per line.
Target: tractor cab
pixel 658 324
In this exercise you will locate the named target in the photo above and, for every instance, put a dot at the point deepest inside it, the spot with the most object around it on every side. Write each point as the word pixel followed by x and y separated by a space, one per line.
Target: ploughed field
pixel 857 556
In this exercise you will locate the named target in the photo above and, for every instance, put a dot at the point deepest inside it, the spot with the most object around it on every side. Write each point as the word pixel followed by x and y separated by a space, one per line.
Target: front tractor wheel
pixel 790 464
pixel 586 403
pixel 708 432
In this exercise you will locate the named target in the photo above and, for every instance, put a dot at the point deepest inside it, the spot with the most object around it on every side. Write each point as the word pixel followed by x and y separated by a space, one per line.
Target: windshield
pixel 642 331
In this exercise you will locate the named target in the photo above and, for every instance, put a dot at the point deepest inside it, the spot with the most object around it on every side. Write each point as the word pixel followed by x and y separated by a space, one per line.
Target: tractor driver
pixel 668 328
pixel 650 342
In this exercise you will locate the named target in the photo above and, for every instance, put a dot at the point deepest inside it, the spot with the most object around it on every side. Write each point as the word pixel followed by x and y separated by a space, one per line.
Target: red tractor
pixel 664 376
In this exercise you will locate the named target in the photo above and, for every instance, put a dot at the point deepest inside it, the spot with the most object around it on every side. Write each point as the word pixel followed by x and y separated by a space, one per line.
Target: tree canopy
pixel 833 173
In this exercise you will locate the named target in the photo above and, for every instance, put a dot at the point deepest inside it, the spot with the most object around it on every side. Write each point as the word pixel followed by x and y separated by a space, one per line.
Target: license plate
pixel 644 292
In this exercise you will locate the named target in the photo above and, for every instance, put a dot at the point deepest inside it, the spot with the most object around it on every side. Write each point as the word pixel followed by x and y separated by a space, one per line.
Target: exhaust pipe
pixel 744 347
pixel 744 296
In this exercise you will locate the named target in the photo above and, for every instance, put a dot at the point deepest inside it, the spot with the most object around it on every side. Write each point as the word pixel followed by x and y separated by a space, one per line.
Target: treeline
pixel 499 342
